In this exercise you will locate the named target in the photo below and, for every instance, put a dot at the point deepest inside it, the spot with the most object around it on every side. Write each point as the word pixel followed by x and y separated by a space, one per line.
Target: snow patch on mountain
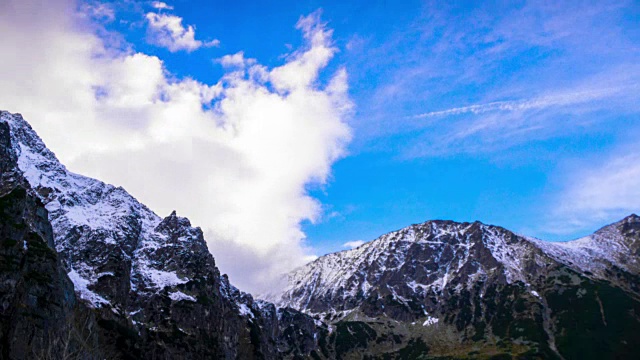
pixel 430 321
pixel 81 286
pixel 180 296
pixel 245 310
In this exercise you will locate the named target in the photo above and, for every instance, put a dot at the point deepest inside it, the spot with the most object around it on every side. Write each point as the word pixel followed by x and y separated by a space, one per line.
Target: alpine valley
pixel 88 272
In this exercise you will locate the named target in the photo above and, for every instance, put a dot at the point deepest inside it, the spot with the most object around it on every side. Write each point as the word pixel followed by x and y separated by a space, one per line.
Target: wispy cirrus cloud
pixel 497 57
pixel 561 99
pixel 499 125
pixel 494 127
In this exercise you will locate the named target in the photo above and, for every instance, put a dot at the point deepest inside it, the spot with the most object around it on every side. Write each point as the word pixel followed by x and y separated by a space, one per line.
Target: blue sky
pixel 410 58
pixel 328 122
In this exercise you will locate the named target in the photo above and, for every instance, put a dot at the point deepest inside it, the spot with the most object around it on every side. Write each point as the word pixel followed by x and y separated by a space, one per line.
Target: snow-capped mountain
pixel 89 215
pixel 421 260
pixel 424 260
pixel 478 283
pixel 150 277
pixel 37 302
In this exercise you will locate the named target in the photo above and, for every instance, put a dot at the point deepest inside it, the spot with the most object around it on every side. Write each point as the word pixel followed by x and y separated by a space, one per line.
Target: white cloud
pixel 303 67
pixel 353 244
pixel 167 31
pixel 559 99
pixel 161 5
pixel 236 60
pixel 99 11
pixel 239 169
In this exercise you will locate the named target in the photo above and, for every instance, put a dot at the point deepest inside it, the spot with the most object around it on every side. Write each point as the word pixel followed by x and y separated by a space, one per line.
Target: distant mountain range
pixel 88 272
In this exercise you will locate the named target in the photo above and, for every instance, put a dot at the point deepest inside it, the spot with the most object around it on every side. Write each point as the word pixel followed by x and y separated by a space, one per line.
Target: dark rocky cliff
pixel 40 316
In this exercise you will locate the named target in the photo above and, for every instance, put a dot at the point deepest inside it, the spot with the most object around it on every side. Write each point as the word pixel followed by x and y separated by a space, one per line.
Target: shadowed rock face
pixel 39 313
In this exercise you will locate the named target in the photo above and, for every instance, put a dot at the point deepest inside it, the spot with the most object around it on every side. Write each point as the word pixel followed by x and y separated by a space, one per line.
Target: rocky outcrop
pixel 202 314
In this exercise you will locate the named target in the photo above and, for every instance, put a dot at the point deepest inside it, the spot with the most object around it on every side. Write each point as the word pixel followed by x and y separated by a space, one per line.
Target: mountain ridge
pixel 551 248
pixel 40 315
pixel 435 290
pixel 490 289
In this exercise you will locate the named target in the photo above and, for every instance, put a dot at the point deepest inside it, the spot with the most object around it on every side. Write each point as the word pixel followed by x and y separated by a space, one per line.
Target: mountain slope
pixel 40 316
pixel 611 253
pixel 152 280
pixel 421 259
pixel 460 288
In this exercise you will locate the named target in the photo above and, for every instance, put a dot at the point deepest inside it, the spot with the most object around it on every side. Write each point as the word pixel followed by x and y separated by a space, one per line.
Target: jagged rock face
pixel 451 289
pixel 201 313
pixel 40 317
pixel 152 280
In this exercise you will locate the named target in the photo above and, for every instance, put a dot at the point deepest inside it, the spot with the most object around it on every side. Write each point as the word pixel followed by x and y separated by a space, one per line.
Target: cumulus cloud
pixel 559 99
pixel 235 156
pixel 304 65
pixel 353 244
pixel 167 31
pixel 236 60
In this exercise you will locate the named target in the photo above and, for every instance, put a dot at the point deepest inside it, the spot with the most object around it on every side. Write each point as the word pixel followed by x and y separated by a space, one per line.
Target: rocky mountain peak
pixel 425 260
pixel 630 225
pixel 179 227
pixel 629 220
